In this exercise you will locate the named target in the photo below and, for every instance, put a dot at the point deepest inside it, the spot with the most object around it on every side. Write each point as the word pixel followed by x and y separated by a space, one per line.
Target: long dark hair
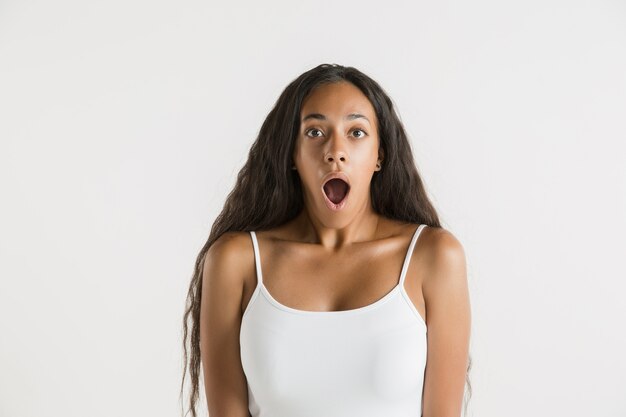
pixel 268 192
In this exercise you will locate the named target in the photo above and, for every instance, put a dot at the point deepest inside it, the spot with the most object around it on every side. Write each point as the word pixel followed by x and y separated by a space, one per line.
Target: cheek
pixel 365 157
pixel 303 152
pixel 307 165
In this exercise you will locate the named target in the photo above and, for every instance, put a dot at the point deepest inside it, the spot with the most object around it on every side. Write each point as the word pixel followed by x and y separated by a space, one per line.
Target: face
pixel 338 133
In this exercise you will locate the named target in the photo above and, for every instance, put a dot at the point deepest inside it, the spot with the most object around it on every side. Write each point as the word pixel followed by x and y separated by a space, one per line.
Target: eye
pixel 312 130
pixel 362 131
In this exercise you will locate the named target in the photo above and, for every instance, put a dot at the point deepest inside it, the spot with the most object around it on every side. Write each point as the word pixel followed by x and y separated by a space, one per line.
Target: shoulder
pixel 230 246
pixel 435 246
pixel 229 258
pixel 230 242
pixel 444 261
pixel 442 245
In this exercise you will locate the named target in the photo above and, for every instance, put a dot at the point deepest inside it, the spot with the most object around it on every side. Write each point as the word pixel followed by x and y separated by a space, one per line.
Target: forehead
pixel 337 99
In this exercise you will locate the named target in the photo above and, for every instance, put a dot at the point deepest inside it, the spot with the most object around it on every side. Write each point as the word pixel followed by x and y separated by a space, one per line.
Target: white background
pixel 124 123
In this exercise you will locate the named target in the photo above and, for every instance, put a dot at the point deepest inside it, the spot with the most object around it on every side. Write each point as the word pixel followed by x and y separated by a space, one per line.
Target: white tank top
pixel 366 362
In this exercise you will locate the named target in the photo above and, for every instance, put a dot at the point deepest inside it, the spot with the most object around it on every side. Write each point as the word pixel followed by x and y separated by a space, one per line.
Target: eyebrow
pixel 319 116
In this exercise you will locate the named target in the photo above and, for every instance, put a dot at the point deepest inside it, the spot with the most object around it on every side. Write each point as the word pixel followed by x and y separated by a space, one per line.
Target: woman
pixel 328 268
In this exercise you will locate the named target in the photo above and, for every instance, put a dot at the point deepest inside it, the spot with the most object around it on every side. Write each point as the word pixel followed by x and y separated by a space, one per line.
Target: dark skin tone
pixel 345 259
pixel 326 260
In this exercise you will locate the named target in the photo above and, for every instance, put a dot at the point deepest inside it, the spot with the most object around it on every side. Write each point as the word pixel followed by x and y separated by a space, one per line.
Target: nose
pixel 338 156
pixel 336 151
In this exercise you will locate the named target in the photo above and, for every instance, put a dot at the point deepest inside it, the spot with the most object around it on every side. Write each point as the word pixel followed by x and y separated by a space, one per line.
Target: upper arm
pixel 220 320
pixel 446 295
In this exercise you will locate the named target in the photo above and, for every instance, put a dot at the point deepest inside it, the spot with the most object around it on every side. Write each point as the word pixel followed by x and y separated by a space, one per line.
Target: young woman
pixel 327 286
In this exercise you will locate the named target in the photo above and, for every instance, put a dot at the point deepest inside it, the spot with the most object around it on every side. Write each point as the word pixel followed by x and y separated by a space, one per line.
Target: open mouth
pixel 336 191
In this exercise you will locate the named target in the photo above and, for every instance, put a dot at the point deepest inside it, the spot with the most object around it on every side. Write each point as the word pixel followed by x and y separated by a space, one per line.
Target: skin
pixel 337 143
pixel 345 260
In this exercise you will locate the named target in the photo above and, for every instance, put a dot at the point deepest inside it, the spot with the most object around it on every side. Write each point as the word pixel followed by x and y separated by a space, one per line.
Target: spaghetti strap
pixel 409 252
pixel 257 258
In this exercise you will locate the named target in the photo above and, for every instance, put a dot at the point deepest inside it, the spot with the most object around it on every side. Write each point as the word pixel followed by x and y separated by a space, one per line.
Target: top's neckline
pixel 368 307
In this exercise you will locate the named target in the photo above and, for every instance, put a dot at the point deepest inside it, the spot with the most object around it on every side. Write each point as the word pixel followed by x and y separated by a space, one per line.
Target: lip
pixel 341 176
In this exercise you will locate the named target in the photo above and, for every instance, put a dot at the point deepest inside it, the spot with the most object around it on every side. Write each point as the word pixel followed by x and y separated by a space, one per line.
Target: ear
pixel 381 156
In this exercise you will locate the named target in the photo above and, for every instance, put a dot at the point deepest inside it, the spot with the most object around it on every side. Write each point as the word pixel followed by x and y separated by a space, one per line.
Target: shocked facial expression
pixel 337 150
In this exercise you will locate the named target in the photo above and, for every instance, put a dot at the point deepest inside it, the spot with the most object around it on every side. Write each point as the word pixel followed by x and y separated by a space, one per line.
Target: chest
pixel 307 277
pixel 365 359
pixel 366 362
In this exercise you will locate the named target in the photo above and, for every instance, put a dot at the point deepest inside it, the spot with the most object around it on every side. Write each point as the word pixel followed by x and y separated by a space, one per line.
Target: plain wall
pixel 123 125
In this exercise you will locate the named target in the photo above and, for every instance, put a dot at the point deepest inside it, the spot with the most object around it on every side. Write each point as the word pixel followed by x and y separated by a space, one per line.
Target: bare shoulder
pixel 442 243
pixel 445 269
pixel 230 242
pixel 231 254
pixel 228 263
pixel 444 256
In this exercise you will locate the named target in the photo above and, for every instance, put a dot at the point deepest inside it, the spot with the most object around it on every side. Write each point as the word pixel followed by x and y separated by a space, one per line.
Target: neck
pixel 337 234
